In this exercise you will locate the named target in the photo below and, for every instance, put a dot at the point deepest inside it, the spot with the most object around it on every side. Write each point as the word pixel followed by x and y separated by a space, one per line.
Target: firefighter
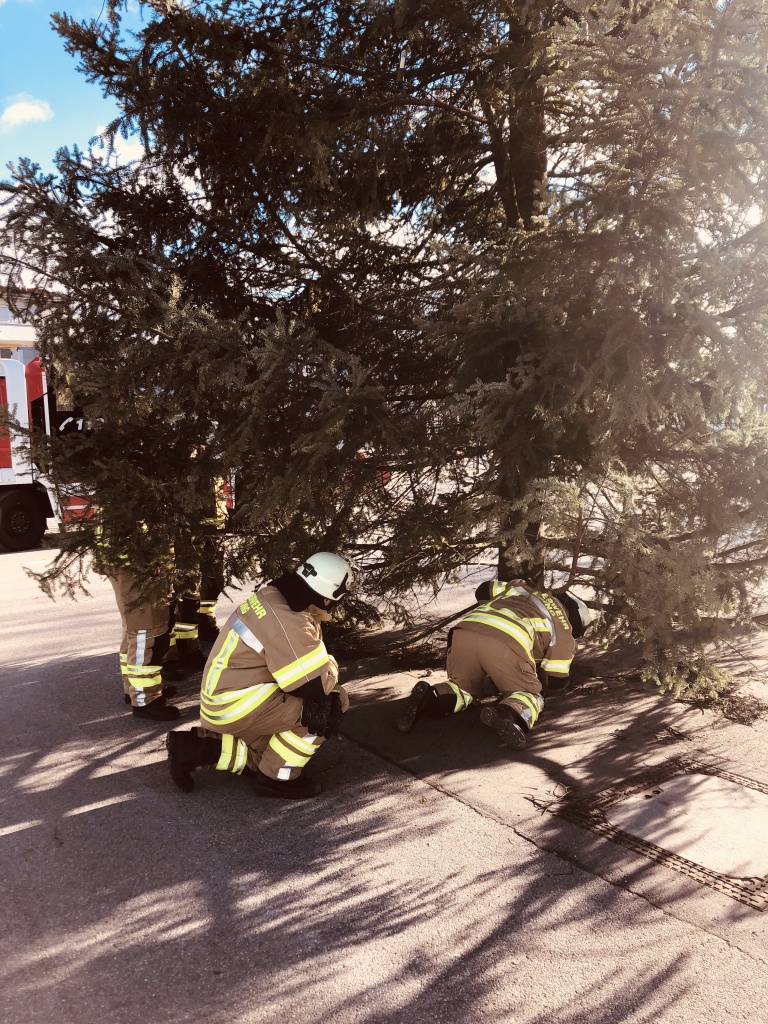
pixel 270 694
pixel 144 643
pixel 519 638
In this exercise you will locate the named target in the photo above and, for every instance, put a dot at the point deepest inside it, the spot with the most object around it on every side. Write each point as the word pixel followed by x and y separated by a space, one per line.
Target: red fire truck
pixel 27 498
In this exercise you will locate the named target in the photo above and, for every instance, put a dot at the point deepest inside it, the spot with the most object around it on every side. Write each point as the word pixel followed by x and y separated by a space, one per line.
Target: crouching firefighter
pixel 520 638
pixel 270 692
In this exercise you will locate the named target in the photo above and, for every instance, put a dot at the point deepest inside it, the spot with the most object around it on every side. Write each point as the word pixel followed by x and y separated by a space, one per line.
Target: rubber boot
pixel 188 751
pixel 191 655
pixel 424 703
pixel 507 724
pixel 300 788
pixel 157 711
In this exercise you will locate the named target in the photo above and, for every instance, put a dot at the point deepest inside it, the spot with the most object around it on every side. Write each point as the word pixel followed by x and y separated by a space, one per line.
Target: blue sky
pixel 45 103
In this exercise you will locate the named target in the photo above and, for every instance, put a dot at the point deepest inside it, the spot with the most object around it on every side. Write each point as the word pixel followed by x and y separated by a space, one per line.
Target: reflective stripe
pixel 290 757
pixel 548 618
pixel 540 625
pixel 499 620
pixel 219 664
pixel 141 646
pixel 185 630
pixel 124 663
pixel 557 668
pixel 463 699
pixel 307 665
pixel 532 706
pixel 498 588
pixel 142 670
pixel 207 607
pixel 228 745
pixel 247 635
pixel 145 682
pixel 301 742
pixel 240 703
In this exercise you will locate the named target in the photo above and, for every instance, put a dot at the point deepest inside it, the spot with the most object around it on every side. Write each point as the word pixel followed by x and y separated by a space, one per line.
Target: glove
pixel 335 714
pixel 315 715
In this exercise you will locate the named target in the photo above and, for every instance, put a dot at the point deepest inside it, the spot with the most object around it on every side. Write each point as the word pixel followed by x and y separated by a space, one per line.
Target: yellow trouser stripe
pixel 308 665
pixel 144 682
pixel 530 701
pixel 207 607
pixel 229 745
pixel 124 663
pixel 556 667
pixel 292 759
pixel 463 699
pixel 300 742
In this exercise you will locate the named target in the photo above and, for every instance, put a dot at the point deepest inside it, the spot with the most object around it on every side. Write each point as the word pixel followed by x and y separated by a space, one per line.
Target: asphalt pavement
pixel 435 880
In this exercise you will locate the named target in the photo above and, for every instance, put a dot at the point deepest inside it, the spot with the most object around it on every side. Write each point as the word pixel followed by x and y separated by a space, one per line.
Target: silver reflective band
pixel 246 635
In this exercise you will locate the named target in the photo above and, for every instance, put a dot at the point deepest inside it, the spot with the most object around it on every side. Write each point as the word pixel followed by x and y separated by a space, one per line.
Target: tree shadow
pixel 380 901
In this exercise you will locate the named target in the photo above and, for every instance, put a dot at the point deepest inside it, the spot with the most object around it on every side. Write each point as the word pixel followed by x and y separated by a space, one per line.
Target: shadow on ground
pixel 380 902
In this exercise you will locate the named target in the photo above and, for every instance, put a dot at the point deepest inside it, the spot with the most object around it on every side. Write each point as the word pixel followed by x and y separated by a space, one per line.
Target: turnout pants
pixel 144 641
pixel 271 738
pixel 473 656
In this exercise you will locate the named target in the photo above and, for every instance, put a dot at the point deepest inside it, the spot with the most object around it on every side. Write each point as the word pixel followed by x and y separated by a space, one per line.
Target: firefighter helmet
pixel 579 615
pixel 327 574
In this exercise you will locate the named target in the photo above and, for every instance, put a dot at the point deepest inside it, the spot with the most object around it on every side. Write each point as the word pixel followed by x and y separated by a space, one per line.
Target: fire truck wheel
pixel 22 523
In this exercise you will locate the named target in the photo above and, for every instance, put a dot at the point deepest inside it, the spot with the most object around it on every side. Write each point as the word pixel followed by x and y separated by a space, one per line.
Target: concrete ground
pixel 431 883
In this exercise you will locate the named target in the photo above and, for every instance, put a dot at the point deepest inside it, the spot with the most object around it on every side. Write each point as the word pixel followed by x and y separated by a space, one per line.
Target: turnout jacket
pixel 524 618
pixel 263 648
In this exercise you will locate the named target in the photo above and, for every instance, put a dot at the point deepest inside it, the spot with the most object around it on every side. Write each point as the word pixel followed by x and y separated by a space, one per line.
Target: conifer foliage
pixel 432 280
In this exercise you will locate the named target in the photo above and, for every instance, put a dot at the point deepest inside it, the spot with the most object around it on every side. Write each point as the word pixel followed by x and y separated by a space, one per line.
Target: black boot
pixel 507 723
pixel 191 656
pixel 157 711
pixel 207 630
pixel 172 671
pixel 168 691
pixel 299 788
pixel 422 703
pixel 187 751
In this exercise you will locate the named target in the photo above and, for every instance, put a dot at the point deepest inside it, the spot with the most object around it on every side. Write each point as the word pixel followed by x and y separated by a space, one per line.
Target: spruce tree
pixel 432 281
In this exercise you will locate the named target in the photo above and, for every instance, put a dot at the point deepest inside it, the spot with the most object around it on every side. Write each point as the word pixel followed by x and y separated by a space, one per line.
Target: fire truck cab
pixel 27 499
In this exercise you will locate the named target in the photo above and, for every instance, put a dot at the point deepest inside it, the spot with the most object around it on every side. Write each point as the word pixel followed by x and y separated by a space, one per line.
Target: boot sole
pixel 410 712
pixel 511 735
pixel 267 791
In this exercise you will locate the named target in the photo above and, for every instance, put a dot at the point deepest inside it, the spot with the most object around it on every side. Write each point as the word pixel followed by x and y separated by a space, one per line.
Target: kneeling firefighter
pixel 270 693
pixel 518 637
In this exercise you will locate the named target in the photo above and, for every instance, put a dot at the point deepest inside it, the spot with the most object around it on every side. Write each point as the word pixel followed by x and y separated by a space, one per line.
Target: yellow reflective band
pixel 185 630
pixel 463 699
pixel 241 703
pixel 145 682
pixel 530 702
pixel 301 742
pixel 291 759
pixel 557 668
pixel 142 670
pixel 540 625
pixel 308 665
pixel 498 587
pixel 229 745
pixel 207 606
pixel 227 742
pixel 513 629
pixel 124 663
pixel 220 662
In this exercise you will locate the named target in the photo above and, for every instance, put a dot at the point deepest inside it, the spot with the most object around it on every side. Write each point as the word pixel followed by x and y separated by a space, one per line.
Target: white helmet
pixel 326 574
pixel 579 615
